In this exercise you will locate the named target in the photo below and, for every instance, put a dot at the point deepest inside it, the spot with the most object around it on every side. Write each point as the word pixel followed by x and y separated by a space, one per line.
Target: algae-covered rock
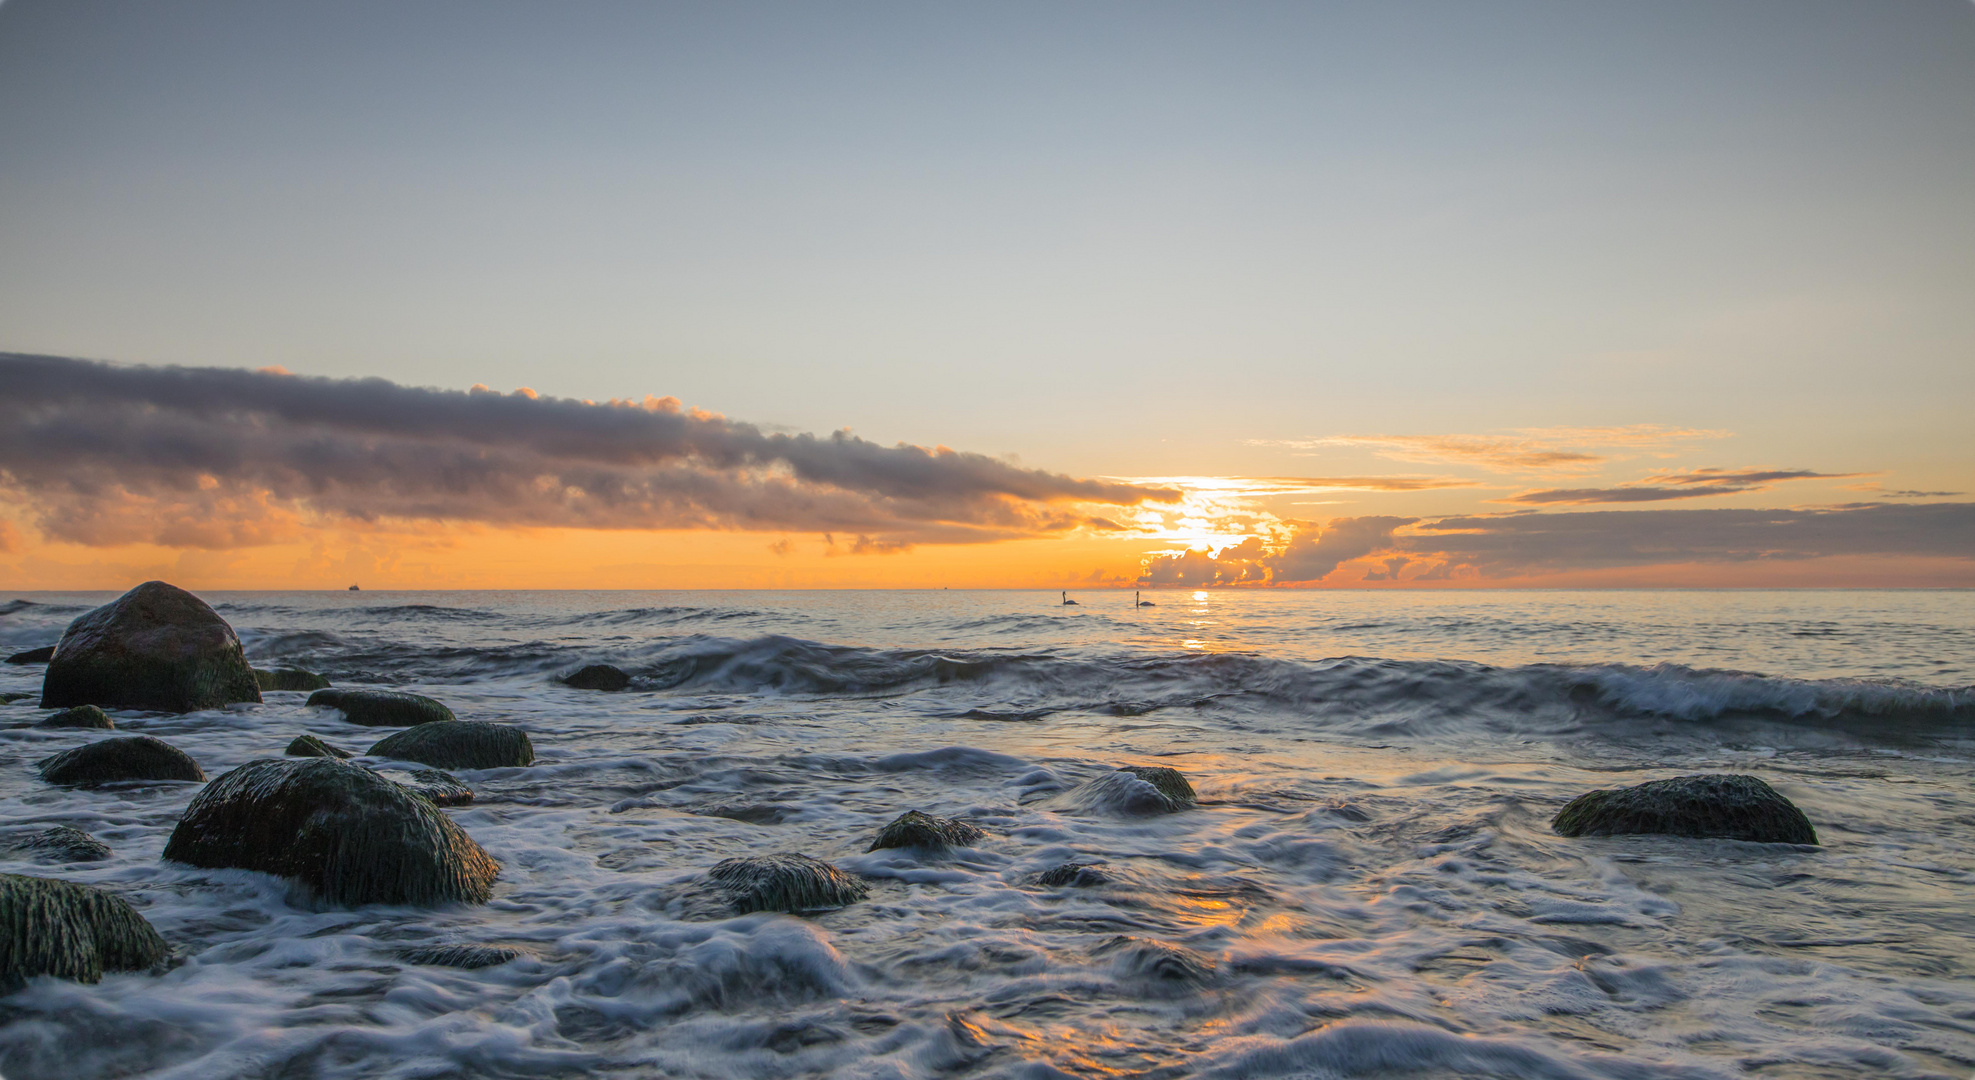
pixel 155 647
pixel 597 677
pixel 1137 790
pixel 462 744
pixel 1720 805
pixel 790 883
pixel 310 746
pixel 33 656
pixel 82 716
pixel 131 757
pixel 913 829
pixel 61 844
pixel 70 931
pixel 289 679
pixel 470 957
pixel 381 708
pixel 348 833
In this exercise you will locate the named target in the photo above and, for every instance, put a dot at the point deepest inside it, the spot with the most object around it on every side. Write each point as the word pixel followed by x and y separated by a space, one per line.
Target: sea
pixel 1368 887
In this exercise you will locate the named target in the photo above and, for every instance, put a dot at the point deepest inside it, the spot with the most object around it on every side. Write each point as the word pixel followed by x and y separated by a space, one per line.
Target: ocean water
pixel 1369 886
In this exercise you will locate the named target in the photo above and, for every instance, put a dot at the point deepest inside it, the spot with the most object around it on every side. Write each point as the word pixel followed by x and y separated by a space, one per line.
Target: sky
pixel 599 295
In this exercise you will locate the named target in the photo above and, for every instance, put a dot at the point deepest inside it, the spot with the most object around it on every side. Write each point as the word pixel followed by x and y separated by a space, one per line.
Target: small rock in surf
pixel 787 883
pixel 82 716
pixel 1717 805
pixel 1074 876
pixel 382 708
pixel 289 679
pixel 1137 789
pixel 33 656
pixel 70 931
pixel 461 744
pixel 470 957
pixel 346 832
pixel 107 761
pixel 913 829
pixel 310 746
pixel 62 844
pixel 597 677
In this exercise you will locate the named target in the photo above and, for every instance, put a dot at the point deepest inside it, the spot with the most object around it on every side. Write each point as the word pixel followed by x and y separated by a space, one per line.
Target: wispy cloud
pixel 1882 491
pixel 219 457
pixel 1523 450
pixel 1266 486
pixel 1663 487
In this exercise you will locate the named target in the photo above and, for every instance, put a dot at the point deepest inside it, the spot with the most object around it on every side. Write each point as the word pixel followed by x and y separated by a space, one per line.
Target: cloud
pixel 1884 492
pixel 1555 449
pixel 1310 553
pixel 1251 487
pixel 1698 483
pixel 219 457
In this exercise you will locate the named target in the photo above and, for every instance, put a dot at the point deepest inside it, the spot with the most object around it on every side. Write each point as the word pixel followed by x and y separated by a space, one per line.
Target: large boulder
pixel 913 829
pixel 382 708
pixel 289 679
pixel 1720 805
pixel 155 647
pixel 131 757
pixel 70 931
pixel 462 744
pixel 82 716
pixel 790 883
pixel 33 656
pixel 346 832
pixel 597 677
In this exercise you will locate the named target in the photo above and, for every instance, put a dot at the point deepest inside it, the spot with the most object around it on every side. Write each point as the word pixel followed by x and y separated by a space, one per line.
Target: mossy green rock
pixel 462 744
pixel 131 757
pixel 913 829
pixel 348 833
pixel 156 647
pixel 382 708
pixel 70 931
pixel 1717 805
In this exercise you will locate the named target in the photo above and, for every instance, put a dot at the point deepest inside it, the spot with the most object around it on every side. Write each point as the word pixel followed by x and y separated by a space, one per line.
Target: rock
pixel 13 695
pixel 462 744
pixel 1726 806
pixel 131 757
pixel 1137 789
pixel 155 647
pixel 82 716
pixel 70 931
pixel 62 844
pixel 913 829
pixel 382 708
pixel 1074 875
pixel 1156 965
pixel 310 746
pixel 33 656
pixel 470 957
pixel 597 677
pixel 289 679
pixel 346 832
pixel 790 883
pixel 439 788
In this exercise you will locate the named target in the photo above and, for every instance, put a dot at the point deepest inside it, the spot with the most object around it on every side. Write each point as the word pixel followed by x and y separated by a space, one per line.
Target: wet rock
pixel 1725 806
pixel 1156 964
pixel 1137 790
pixel 382 708
pixel 155 647
pixel 33 656
pixel 82 716
pixel 348 833
pixel 289 679
pixel 1074 876
pixel 439 788
pixel 132 757
pixel 789 883
pixel 14 695
pixel 597 677
pixel 62 844
pixel 913 829
pixel 462 744
pixel 70 931
pixel 310 746
pixel 470 957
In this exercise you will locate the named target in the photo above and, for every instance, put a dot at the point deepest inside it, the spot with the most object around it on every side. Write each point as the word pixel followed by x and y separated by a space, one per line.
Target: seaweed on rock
pixel 70 931
pixel 462 744
pixel 350 834
pixel 788 883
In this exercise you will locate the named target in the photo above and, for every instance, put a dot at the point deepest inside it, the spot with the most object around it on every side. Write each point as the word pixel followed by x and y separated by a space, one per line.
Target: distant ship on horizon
pixel 353 588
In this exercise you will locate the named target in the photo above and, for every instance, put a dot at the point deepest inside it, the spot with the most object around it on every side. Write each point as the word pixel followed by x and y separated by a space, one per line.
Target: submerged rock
pixel 439 788
pixel 155 647
pixel 1074 875
pixel 289 679
pixel 597 677
pixel 70 931
pixel 12 696
pixel 789 883
pixel 1156 964
pixel 913 829
pixel 1137 789
pixel 62 844
pixel 132 757
pixel 348 833
pixel 462 744
pixel 82 716
pixel 1720 805
pixel 470 957
pixel 382 708
pixel 310 746
pixel 33 656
